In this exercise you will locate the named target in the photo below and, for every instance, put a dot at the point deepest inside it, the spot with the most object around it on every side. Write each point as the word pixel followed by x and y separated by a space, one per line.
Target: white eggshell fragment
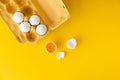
pixel 71 43
pixel 34 20
pixel 41 29
pixel 24 27
pixel 18 17
pixel 60 55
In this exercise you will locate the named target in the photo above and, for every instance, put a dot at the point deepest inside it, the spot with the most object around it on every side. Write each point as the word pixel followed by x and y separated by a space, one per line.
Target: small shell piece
pixel 60 55
pixel 34 20
pixel 41 29
pixel 24 27
pixel 18 17
pixel 71 43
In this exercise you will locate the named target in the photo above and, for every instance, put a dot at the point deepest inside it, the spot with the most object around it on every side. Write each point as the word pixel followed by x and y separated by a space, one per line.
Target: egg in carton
pixel 31 20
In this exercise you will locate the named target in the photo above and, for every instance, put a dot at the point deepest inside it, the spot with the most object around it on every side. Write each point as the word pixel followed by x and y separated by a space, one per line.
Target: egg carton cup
pixel 52 13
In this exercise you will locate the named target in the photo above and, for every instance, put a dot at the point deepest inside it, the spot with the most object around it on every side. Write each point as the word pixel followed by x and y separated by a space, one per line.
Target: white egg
pixel 41 29
pixel 34 20
pixel 24 27
pixel 71 43
pixel 60 55
pixel 18 17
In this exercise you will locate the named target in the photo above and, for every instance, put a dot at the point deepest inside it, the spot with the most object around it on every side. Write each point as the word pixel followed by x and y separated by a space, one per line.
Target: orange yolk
pixel 51 47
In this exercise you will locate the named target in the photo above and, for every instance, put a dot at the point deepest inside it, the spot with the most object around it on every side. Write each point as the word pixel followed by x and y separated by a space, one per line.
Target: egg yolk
pixel 51 47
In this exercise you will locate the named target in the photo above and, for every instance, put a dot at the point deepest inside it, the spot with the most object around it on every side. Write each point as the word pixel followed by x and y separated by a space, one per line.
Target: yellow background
pixel 96 26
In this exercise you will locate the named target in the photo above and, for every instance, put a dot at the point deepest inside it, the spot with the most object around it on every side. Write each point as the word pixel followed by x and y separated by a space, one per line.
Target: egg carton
pixel 52 14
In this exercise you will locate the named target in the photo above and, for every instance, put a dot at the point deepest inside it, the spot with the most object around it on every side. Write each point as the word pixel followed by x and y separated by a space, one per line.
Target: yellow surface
pixel 95 24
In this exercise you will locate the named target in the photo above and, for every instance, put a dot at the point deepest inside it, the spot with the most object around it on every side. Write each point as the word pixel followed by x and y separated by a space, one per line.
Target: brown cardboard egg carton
pixel 52 13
